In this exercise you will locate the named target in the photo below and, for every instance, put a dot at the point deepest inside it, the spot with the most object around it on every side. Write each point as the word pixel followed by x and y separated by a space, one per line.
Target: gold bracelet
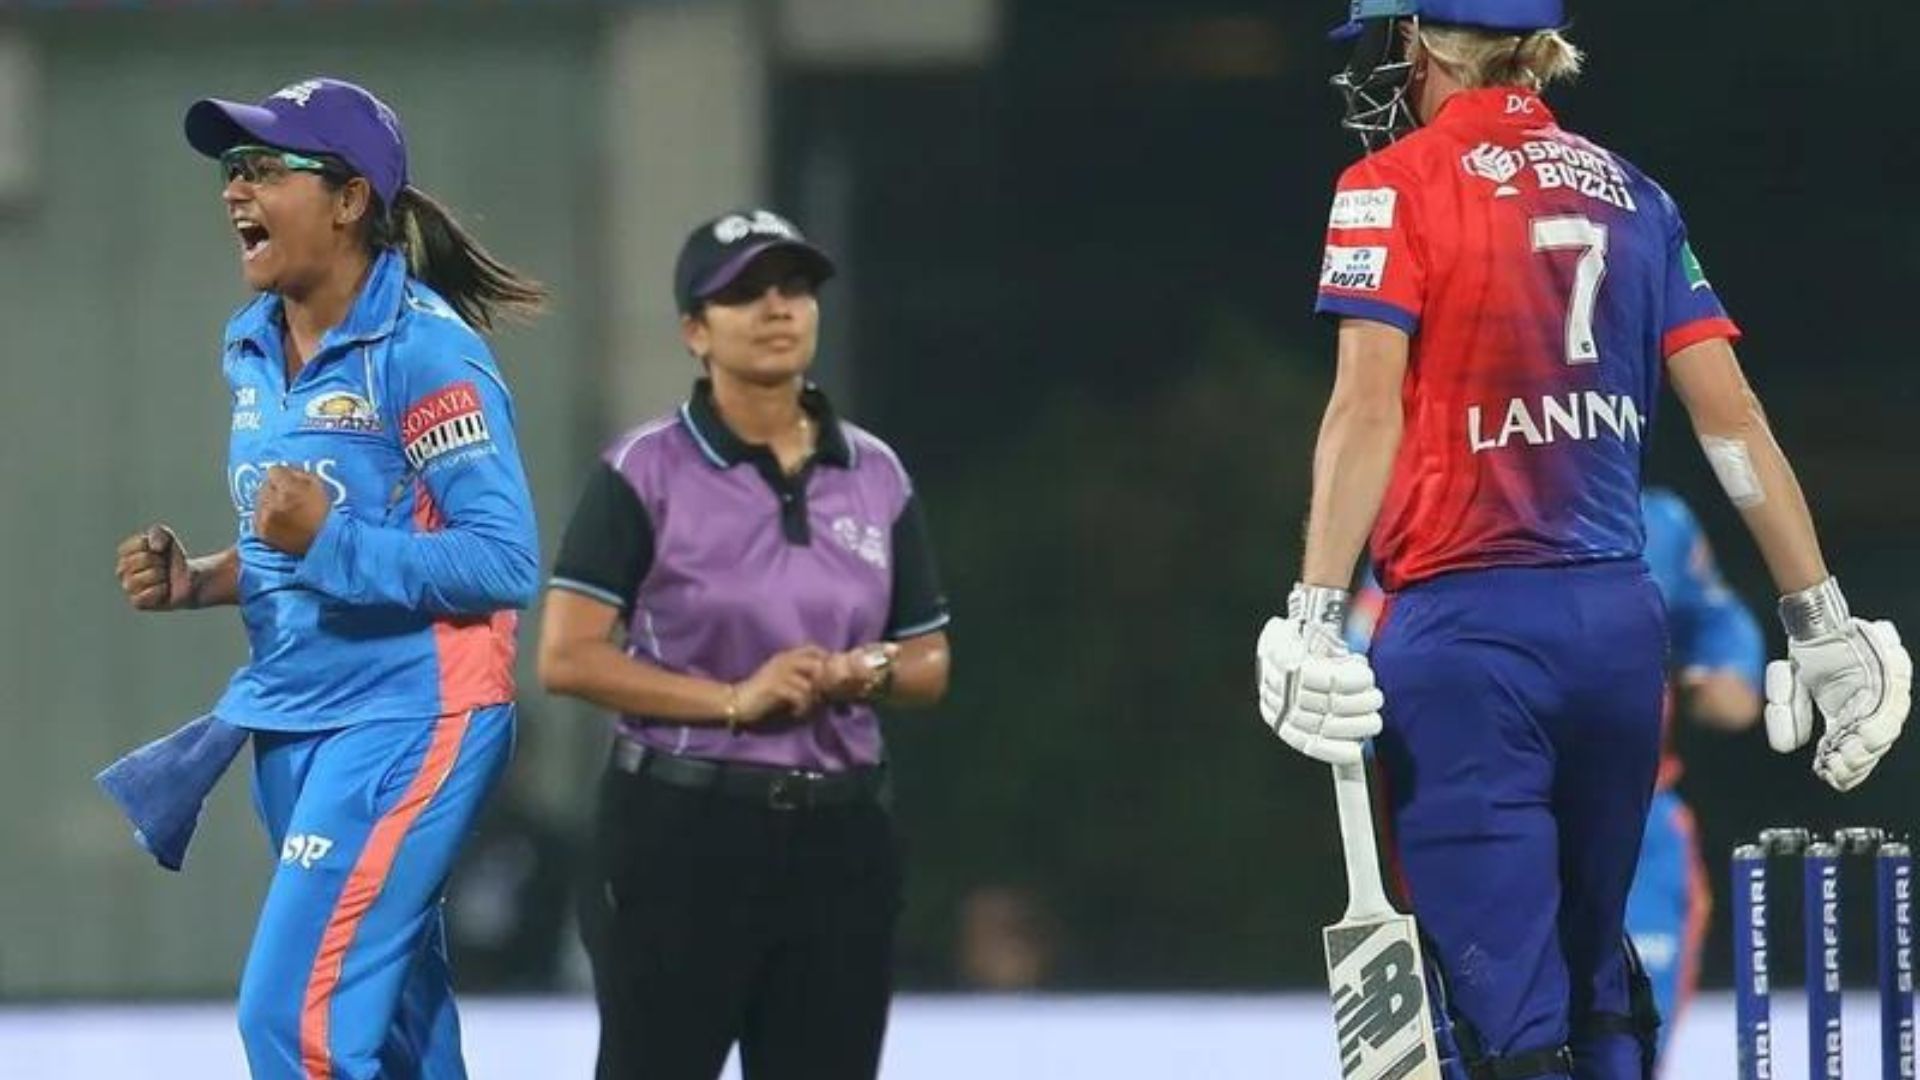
pixel 881 687
pixel 733 708
pixel 879 660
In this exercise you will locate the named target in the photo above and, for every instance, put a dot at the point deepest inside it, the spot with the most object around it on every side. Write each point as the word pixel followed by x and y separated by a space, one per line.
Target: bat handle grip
pixel 1366 894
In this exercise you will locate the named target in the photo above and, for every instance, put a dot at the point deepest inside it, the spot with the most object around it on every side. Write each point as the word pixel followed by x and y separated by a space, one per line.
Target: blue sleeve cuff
pixel 322 565
pixel 1353 307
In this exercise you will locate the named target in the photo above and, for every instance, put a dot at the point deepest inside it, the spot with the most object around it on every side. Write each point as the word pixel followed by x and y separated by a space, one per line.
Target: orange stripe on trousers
pixel 363 888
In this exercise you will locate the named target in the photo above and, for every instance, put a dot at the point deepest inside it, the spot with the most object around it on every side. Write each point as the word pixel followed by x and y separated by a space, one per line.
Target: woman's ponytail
pixel 440 253
pixel 1483 58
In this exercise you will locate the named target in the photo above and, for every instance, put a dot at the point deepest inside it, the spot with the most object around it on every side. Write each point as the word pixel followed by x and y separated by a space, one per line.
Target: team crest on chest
pixel 340 412
pixel 866 541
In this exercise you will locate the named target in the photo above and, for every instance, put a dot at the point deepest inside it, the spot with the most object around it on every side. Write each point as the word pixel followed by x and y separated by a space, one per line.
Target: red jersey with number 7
pixel 1544 281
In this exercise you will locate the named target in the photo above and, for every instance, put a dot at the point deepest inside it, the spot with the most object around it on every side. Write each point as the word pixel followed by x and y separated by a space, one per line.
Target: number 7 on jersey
pixel 1575 233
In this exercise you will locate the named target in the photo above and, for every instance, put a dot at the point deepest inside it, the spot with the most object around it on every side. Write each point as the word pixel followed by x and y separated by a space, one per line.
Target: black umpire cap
pixel 716 253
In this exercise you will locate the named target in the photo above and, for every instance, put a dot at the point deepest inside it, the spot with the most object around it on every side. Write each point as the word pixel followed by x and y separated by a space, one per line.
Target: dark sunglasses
pixel 750 286
pixel 266 165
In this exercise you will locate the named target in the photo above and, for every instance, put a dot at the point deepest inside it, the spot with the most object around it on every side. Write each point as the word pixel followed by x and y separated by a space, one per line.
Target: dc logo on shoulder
pixel 303 850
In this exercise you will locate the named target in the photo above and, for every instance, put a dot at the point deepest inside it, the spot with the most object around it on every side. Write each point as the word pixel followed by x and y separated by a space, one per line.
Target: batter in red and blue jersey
pixel 1510 296
pixel 1525 286
pixel 1542 282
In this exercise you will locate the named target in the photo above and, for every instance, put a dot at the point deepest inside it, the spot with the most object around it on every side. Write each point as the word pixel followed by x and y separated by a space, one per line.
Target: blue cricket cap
pixel 315 116
pixel 1512 16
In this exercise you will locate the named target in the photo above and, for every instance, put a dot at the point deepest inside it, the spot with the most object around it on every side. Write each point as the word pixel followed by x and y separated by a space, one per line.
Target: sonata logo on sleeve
pixel 447 421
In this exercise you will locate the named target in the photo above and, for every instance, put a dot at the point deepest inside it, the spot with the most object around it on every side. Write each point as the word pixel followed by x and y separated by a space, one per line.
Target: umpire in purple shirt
pixel 744 581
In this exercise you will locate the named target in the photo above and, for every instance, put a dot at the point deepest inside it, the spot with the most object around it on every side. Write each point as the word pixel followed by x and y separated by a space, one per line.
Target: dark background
pixel 1084 282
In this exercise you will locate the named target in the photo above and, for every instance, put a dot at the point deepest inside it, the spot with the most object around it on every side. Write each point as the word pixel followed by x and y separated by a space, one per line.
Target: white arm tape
pixel 1733 466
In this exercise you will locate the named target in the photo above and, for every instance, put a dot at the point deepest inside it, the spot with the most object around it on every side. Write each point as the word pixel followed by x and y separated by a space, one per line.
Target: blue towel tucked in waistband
pixel 162 785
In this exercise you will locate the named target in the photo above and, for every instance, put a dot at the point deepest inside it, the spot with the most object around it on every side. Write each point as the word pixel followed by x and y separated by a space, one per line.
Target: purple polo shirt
pixel 719 561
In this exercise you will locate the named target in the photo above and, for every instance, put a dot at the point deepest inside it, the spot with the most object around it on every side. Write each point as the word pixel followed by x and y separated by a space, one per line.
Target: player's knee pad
pixel 1525 1065
pixel 1518 1065
pixel 1453 1064
pixel 1462 1051
pixel 1641 1023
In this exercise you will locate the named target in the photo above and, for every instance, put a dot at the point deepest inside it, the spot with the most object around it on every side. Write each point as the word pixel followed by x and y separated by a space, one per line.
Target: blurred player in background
pixel 1716 661
pixel 385 537
pixel 1715 664
pixel 1509 295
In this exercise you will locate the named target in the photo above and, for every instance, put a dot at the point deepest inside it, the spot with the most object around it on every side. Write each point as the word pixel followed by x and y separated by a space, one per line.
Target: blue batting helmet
pixel 1514 16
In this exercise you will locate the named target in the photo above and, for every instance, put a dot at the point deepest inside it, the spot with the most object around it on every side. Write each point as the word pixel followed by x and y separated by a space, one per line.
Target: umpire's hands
pixel 290 508
pixel 1315 693
pixel 785 685
pixel 152 566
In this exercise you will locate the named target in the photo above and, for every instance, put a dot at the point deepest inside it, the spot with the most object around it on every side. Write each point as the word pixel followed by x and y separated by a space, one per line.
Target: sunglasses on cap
pixel 267 165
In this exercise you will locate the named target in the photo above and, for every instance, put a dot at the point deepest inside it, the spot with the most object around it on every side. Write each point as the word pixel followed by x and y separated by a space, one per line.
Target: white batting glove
pixel 1315 693
pixel 1856 672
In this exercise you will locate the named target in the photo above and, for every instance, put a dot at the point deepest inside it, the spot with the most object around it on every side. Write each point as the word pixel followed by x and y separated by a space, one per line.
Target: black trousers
pixel 714 920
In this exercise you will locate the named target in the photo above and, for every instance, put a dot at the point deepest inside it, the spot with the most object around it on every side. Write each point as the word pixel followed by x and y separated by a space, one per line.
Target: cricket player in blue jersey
pixel 1715 661
pixel 1716 664
pixel 386 539
pixel 1509 297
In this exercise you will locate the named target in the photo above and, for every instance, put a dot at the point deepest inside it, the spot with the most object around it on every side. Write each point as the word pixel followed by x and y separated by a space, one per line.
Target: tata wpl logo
pixel 304 849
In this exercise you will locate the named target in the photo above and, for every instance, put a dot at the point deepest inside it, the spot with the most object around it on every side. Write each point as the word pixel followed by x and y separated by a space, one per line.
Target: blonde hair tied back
pixel 1481 58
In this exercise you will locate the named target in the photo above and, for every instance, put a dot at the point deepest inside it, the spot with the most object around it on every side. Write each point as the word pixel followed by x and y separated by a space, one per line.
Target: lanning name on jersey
pixel 447 421
pixel 1577 417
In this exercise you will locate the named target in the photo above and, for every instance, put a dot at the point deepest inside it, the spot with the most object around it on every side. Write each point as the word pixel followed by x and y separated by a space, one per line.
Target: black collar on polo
pixel 724 449
pixel 729 449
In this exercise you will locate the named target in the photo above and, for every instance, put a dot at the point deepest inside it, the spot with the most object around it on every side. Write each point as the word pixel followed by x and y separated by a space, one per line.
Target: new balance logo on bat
pixel 1377 1009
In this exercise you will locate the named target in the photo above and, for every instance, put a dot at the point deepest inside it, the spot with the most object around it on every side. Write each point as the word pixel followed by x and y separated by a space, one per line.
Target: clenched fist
pixel 152 566
pixel 289 509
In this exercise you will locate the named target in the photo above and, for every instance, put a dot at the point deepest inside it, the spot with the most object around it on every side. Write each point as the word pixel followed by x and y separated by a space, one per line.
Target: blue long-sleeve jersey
pixel 1711 630
pixel 404 607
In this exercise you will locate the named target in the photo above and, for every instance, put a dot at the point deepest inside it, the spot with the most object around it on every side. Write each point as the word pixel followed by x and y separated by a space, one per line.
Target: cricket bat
pixel 1373 960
